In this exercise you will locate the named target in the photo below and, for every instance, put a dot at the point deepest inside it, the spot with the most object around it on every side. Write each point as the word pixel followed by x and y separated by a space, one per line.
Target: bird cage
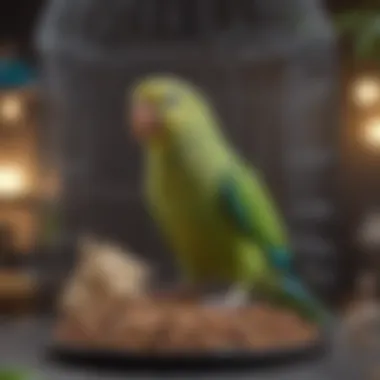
pixel 270 70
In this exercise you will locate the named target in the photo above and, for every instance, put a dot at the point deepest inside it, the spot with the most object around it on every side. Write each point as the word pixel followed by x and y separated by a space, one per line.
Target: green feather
pixel 234 207
pixel 254 215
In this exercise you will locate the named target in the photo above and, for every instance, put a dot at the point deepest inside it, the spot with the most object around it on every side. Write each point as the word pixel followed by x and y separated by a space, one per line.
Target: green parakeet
pixel 211 205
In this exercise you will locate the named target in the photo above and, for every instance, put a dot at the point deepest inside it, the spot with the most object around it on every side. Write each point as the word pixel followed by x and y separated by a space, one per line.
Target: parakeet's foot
pixel 235 296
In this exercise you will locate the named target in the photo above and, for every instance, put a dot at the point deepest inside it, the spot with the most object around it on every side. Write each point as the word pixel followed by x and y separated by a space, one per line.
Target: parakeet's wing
pixel 249 208
pixel 247 205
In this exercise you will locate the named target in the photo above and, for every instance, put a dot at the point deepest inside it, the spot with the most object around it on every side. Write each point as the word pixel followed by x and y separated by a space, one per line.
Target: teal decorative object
pixel 15 73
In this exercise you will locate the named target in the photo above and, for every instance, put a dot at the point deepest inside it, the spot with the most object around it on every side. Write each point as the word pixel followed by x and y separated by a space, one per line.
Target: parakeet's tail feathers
pixel 304 301
pixel 291 294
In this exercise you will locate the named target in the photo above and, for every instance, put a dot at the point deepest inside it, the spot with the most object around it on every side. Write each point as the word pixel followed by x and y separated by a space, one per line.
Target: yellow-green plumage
pixel 185 204
pixel 212 207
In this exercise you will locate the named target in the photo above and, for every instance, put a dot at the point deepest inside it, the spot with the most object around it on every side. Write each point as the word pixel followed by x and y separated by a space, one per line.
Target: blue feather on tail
pixel 298 291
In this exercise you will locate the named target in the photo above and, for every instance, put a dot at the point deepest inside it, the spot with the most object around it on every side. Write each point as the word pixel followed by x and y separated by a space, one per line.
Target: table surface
pixel 23 343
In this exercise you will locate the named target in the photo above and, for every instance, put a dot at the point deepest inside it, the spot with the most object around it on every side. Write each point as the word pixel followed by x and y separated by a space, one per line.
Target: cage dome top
pixel 115 23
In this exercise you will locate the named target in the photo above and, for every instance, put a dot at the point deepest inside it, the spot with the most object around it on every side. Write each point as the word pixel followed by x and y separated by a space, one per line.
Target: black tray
pixel 109 359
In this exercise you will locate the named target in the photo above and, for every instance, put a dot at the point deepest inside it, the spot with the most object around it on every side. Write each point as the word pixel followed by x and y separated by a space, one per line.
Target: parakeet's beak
pixel 145 121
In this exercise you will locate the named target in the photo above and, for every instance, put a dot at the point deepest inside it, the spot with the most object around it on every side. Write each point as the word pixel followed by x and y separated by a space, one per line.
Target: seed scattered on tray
pixel 159 326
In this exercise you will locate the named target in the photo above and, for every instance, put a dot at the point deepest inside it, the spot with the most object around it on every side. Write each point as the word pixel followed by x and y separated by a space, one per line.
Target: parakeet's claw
pixel 235 296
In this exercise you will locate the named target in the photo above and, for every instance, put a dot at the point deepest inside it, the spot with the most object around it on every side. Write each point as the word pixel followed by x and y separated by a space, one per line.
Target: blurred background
pixel 64 67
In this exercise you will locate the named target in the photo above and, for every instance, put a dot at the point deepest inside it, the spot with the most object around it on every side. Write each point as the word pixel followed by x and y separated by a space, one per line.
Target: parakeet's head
pixel 162 106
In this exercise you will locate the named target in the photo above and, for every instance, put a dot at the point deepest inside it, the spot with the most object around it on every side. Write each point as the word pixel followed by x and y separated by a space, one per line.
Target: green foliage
pixel 14 374
pixel 363 27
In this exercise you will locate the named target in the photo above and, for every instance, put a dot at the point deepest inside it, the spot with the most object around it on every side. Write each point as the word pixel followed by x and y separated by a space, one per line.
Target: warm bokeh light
pixel 366 92
pixel 12 181
pixel 11 108
pixel 369 230
pixel 372 133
